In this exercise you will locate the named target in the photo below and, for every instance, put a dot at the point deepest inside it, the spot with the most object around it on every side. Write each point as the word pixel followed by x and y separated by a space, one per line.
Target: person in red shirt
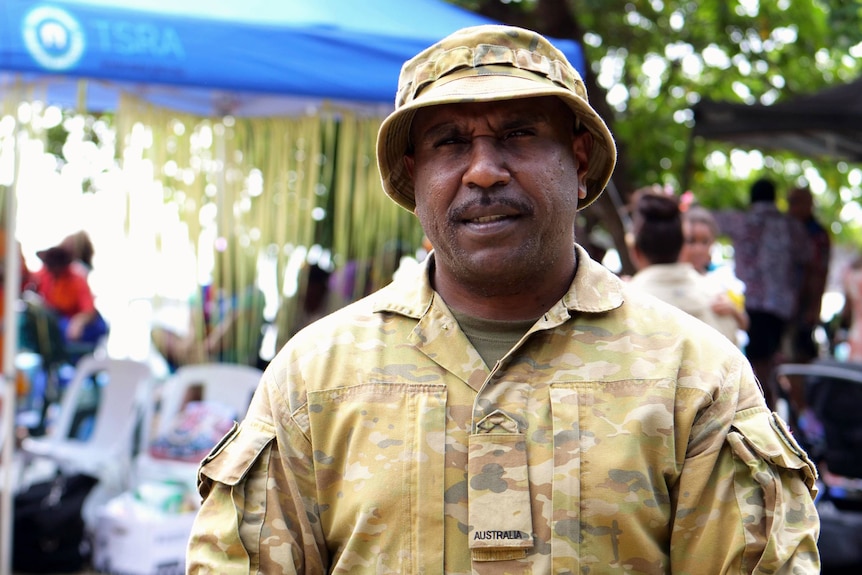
pixel 64 290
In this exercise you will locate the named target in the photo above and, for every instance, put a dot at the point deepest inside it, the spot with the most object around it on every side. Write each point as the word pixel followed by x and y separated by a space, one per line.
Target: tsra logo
pixel 53 37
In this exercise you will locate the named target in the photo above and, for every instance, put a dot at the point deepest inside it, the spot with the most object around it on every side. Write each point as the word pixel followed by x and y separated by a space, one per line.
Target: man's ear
pixel 408 164
pixel 582 147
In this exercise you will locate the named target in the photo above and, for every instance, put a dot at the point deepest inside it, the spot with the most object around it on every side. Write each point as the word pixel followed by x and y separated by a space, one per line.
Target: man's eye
pixel 449 141
pixel 519 133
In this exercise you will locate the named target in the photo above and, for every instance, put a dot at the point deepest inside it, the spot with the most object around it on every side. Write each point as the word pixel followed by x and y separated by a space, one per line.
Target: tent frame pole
pixel 10 350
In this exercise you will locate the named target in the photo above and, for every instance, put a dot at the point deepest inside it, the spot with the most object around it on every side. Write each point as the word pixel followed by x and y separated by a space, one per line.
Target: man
pixel 770 248
pixel 813 277
pixel 512 408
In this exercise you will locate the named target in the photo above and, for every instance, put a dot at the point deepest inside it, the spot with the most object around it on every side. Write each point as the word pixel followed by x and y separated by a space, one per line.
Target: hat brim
pixel 393 137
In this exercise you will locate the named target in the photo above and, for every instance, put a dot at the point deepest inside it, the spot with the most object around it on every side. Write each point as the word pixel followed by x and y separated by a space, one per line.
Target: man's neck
pixel 493 301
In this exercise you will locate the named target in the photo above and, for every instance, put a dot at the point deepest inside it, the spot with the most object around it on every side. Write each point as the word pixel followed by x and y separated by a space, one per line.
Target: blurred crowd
pixel 767 297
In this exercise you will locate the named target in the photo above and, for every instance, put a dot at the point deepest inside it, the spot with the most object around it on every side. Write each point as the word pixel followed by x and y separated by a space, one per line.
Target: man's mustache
pixel 487 200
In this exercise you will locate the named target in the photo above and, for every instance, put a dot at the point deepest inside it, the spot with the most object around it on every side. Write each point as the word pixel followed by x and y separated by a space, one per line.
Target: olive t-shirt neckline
pixel 492 338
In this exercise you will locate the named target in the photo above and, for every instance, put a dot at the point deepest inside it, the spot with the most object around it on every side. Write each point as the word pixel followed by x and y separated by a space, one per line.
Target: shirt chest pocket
pixel 378 453
pixel 613 448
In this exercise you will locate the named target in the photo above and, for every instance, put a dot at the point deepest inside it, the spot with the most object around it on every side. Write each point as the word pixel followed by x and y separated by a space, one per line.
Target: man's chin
pixel 495 268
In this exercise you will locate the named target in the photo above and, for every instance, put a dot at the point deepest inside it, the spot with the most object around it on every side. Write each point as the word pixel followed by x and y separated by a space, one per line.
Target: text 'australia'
pixel 496 535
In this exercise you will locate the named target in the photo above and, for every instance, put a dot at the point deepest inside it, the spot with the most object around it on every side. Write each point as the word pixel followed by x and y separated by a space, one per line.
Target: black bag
pixel 48 531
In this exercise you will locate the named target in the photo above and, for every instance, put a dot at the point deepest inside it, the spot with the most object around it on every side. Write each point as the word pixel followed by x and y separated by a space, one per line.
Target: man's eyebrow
pixel 449 127
pixel 442 129
pixel 521 120
pixel 530 115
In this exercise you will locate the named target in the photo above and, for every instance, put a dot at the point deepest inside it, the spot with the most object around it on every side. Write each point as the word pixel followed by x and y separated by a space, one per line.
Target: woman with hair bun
pixel 657 241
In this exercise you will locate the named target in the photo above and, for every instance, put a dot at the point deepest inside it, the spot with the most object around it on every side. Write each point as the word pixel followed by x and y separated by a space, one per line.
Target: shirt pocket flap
pixel 768 437
pixel 234 455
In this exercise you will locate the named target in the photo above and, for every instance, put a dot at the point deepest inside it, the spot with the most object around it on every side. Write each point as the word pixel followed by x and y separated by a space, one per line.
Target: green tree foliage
pixel 650 61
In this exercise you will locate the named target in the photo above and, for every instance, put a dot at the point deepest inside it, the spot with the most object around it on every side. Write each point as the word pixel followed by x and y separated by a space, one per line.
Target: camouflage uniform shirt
pixel 618 436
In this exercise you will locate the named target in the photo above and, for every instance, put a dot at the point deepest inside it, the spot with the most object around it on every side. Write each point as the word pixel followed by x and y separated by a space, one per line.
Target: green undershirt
pixel 492 338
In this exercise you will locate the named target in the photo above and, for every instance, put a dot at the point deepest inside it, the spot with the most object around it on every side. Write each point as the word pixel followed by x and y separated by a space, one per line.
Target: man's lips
pixel 489 213
pixel 488 219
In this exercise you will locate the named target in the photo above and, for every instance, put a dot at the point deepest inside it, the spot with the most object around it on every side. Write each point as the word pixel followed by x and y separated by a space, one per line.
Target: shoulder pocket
pixel 230 460
pixel 758 434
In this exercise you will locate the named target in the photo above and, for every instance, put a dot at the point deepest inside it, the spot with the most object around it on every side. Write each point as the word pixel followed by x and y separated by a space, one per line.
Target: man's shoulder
pixel 352 317
pixel 382 315
pixel 644 314
pixel 310 358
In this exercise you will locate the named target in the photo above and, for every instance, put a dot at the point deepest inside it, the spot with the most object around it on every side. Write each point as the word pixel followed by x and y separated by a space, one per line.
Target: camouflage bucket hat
pixel 481 64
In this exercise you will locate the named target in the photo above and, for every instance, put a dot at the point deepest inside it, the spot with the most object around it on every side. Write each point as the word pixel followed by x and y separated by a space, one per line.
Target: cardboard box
pixel 134 539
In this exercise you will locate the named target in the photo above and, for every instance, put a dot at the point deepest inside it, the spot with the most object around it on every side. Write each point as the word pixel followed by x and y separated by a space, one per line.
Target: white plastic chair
pixel 121 384
pixel 227 384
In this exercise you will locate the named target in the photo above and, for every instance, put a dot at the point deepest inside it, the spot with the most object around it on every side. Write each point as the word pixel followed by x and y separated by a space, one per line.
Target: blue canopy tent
pixel 230 57
pixel 240 57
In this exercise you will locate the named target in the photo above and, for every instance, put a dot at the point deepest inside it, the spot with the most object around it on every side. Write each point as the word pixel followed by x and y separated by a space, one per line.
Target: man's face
pixel 497 187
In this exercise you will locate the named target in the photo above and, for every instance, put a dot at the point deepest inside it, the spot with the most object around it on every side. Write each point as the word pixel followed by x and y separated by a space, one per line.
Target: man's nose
pixel 487 164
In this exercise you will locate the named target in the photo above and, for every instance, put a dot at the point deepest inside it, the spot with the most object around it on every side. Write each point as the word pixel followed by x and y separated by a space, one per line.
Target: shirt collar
pixel 595 289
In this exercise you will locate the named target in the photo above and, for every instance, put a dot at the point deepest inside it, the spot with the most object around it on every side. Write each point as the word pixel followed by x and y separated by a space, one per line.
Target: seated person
pixel 62 290
pixel 81 248
pixel 226 317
